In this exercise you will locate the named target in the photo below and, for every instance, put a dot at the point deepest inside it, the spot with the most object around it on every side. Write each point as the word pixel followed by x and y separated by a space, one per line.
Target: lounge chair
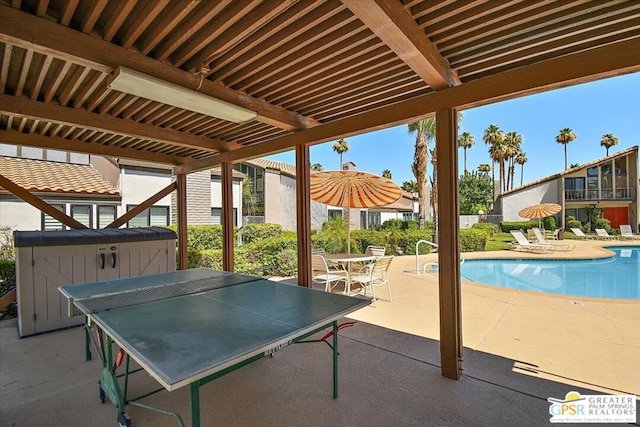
pixel 603 235
pixel 554 246
pixel 627 234
pixel 523 245
pixel 580 235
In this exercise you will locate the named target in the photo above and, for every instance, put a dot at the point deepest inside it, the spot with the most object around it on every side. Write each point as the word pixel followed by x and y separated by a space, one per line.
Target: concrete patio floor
pixel 520 349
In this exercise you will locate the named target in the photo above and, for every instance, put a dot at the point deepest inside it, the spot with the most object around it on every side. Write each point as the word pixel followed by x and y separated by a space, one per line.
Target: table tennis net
pixel 145 295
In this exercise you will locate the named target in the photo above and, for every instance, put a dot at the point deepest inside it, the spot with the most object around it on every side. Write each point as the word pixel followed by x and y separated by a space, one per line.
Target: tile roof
pixel 574 169
pixel 53 177
pixel 281 167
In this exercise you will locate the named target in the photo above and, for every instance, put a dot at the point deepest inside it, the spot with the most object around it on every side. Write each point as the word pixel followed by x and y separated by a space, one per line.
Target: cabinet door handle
pixel 102 261
pixel 113 260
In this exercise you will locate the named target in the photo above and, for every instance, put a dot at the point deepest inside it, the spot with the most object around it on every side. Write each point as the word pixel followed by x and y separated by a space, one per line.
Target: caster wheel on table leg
pixel 124 420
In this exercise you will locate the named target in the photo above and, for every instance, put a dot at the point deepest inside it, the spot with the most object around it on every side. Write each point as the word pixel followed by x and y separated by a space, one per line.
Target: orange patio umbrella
pixel 540 211
pixel 353 189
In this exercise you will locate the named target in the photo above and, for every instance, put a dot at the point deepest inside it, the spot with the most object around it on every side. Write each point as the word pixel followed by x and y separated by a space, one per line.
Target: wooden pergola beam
pixel 608 61
pixel 391 22
pixel 129 215
pixel 35 110
pixel 76 145
pixel 49 38
pixel 35 201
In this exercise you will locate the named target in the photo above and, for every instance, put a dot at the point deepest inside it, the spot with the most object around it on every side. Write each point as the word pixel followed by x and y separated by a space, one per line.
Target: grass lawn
pixel 499 242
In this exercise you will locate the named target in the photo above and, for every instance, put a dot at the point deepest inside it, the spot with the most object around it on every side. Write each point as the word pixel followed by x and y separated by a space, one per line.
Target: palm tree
pixel 521 159
pixel 341 146
pixel 513 142
pixel 466 141
pixel 410 186
pixel 484 168
pixel 565 136
pixel 497 152
pixel 316 167
pixel 386 174
pixel 424 130
pixel 492 136
pixel 608 141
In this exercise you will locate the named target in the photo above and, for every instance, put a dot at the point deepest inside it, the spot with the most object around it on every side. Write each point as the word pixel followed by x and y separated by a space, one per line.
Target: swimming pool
pixel 615 277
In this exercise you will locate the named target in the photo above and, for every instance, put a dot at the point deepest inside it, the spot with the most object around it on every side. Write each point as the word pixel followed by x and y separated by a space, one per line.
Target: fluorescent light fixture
pixel 145 86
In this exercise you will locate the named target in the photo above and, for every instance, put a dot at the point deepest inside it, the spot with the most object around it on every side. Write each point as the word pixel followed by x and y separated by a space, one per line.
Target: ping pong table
pixel 192 326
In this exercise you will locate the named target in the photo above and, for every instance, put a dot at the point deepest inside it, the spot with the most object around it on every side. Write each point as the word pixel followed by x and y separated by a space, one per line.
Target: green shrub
pixel 203 237
pixel 412 237
pixel 7 284
pixel 364 238
pixel 549 223
pixel 487 227
pixel 473 240
pixel 574 223
pixel 603 223
pixel 254 232
pixel 508 226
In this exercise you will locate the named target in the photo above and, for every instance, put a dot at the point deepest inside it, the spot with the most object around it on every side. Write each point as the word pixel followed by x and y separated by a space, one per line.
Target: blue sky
pixel 591 110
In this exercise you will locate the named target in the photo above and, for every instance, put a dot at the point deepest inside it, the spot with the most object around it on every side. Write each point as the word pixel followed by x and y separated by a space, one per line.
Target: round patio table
pixel 346 260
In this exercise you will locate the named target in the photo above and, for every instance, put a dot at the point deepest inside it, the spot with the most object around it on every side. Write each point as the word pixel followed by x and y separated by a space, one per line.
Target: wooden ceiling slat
pixel 177 11
pixel 125 103
pixel 73 84
pixel 269 32
pixel 429 7
pixel 42 8
pixel 486 29
pixel 90 19
pixel 145 111
pixel 34 127
pixel 141 21
pixel 60 75
pixel 194 124
pixel 97 97
pixel 24 72
pixel 258 48
pixel 436 23
pixel 214 29
pixel 44 69
pixel 110 101
pixel 48 37
pixel 134 108
pixel 340 27
pixel 6 62
pixel 120 13
pixel 68 10
pixel 257 17
pixel 88 89
pixel 283 86
pixel 21 126
pixel 203 13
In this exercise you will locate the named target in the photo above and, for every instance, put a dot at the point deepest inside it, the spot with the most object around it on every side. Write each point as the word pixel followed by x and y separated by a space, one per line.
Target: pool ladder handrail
pixel 432 264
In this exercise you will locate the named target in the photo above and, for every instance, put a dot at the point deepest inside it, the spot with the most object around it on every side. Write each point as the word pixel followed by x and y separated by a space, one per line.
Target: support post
pixel 449 250
pixel 181 190
pixel 227 216
pixel 303 211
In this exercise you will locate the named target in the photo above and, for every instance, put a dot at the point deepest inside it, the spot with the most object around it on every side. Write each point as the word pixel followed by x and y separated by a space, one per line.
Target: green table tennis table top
pixel 185 338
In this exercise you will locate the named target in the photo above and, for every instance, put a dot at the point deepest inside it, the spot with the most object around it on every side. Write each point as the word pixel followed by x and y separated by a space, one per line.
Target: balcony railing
pixel 600 194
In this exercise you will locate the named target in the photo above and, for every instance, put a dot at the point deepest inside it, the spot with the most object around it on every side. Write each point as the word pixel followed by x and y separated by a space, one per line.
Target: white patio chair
pixel 580 235
pixel 377 251
pixel 554 246
pixel 627 234
pixel 322 274
pixel 374 275
pixel 523 245
pixel 603 235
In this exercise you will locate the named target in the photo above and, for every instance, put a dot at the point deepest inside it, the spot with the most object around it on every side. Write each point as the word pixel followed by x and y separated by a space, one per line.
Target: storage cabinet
pixel 48 259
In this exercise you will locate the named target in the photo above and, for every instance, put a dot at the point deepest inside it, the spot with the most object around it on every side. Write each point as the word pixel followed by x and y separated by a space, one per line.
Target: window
pixel 574 188
pixel 373 220
pixel 407 216
pixel 621 177
pixel 155 216
pixel 82 214
pixel 334 213
pixel 216 216
pixel 49 223
pixel 106 215
pixel 592 183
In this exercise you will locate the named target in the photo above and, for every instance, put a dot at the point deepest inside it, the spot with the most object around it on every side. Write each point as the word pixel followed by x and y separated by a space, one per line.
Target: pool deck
pixel 588 342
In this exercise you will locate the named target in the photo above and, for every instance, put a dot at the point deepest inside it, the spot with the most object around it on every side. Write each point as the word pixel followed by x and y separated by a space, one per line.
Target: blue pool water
pixel 615 277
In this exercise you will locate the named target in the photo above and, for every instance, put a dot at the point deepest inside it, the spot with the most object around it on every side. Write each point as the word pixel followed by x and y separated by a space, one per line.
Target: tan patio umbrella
pixel 353 189
pixel 540 211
